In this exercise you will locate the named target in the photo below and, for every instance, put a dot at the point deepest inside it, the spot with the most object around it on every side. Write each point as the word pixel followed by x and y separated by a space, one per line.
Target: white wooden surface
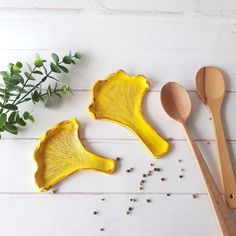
pixel 164 40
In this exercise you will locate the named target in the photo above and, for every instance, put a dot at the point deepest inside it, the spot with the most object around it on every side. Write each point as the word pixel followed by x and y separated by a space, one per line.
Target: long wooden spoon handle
pixel 220 207
pixel 227 173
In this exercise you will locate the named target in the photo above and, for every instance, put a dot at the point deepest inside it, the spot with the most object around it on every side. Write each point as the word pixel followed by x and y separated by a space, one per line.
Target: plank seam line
pixel 149 91
pixel 119 12
pixel 50 193
pixel 113 139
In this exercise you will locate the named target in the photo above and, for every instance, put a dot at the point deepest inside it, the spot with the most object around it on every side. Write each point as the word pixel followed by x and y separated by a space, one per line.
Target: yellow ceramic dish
pixel 60 153
pixel 119 98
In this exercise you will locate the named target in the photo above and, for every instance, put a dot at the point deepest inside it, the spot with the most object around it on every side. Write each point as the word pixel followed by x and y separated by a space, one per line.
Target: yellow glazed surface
pixel 61 153
pixel 119 99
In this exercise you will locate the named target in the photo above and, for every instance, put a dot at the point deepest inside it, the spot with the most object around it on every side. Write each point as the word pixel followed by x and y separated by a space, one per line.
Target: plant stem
pixel 36 86
pixel 23 86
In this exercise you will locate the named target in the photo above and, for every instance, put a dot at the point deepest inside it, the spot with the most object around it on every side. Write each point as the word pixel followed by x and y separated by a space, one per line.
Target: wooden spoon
pixel 210 85
pixel 177 105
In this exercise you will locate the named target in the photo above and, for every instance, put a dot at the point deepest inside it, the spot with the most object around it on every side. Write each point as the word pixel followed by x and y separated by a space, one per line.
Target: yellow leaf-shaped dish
pixel 119 98
pixel 60 153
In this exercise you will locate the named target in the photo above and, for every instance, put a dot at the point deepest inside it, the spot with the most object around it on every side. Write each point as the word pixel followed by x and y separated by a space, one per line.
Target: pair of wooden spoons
pixel 176 102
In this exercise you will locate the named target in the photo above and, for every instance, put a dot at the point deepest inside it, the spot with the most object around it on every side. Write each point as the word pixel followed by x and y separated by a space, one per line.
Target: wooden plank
pixel 73 215
pixel 159 34
pixel 17 170
pixel 96 65
pixel 77 105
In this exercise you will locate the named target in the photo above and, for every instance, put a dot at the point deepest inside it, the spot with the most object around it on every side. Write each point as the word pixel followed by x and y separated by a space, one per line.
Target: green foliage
pixel 23 85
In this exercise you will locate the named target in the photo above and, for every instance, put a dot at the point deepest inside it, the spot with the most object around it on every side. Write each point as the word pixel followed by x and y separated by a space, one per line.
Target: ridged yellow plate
pixel 119 98
pixel 60 153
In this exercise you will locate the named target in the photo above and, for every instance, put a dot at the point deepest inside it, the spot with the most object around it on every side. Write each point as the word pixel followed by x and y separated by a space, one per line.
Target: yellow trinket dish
pixel 119 98
pixel 61 153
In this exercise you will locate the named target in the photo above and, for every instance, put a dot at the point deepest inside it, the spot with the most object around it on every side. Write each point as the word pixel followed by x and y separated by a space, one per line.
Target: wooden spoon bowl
pixel 210 84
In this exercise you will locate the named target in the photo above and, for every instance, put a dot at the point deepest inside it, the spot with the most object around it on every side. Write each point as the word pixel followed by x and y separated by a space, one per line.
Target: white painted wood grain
pixel 164 40
pixel 73 215
pixel 17 173
pixel 76 106
pixel 94 65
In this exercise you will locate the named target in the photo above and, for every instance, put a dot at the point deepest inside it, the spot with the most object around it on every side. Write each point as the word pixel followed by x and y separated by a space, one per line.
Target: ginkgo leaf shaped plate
pixel 60 153
pixel 119 98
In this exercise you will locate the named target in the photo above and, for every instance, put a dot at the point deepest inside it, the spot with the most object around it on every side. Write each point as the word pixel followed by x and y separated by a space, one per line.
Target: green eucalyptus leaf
pixel 55 58
pixel 4 73
pixel 67 60
pixel 38 62
pixel 10 65
pixel 77 55
pixel 32 118
pixel 19 64
pixel 63 68
pixel 3 118
pixel 29 76
pixel 10 82
pixel 11 107
pixel 26 115
pixel 15 69
pixel 19 78
pixel 30 69
pixel 38 72
pixel 35 96
pixel 65 89
pixel 54 68
pixel 12 117
pixel 49 92
pixel 11 128
pixel 20 121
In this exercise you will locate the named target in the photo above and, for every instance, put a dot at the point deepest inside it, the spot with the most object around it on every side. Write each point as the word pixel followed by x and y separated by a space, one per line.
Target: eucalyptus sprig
pixel 21 86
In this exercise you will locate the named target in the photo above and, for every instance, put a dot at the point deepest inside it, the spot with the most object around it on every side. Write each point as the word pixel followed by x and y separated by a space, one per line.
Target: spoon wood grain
pixel 177 104
pixel 210 86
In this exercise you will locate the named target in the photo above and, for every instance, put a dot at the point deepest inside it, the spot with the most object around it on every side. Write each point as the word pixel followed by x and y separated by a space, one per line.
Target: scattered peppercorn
pixel 130 208
pixel 127 212
pixel 144 175
pixel 163 179
pixel 182 169
pixel 148 200
pixel 156 169
pixel 179 160
pixel 207 143
pixel 95 212
pixel 210 118
pixel 128 170
pixel 142 181
pixel 168 194
pixel 152 164
pixel 140 188
pixel 118 159
pixel 103 199
pixel 102 229
pixel 181 176
pixel 194 196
